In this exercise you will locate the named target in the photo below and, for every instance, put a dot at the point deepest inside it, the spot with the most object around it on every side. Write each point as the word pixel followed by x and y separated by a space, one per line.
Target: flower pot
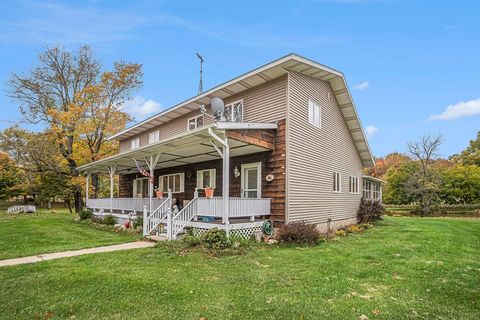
pixel 159 194
pixel 209 193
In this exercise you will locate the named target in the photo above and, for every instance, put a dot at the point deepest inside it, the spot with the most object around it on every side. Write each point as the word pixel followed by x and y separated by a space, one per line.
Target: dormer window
pixel 135 143
pixel 234 111
pixel 195 122
pixel 154 136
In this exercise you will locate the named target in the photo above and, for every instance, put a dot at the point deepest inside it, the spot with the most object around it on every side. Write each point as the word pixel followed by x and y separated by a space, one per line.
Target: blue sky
pixel 413 66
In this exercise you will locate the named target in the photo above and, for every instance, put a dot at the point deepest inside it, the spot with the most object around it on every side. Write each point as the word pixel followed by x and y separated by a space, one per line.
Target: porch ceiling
pixel 190 147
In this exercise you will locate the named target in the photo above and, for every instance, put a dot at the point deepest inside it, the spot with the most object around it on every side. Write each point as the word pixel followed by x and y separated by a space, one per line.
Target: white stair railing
pixel 159 215
pixel 176 223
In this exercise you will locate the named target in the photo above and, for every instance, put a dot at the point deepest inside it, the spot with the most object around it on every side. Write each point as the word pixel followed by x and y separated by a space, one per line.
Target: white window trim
pixel 182 181
pixel 213 177
pixel 196 126
pixel 134 191
pixel 156 136
pixel 339 182
pixel 353 187
pixel 257 165
pixel 135 143
pixel 231 105
pixel 311 116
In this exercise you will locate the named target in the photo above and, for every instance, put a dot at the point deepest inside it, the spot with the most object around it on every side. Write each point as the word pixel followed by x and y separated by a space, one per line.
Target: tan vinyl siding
pixel 265 103
pixel 313 154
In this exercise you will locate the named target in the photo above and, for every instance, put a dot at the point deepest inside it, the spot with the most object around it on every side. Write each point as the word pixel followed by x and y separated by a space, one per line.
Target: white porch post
pixel 111 172
pixel 226 182
pixel 87 182
pixel 151 164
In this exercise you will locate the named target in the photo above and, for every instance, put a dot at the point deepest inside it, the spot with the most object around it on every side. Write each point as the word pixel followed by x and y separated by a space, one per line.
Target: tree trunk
pixel 77 196
pixel 95 182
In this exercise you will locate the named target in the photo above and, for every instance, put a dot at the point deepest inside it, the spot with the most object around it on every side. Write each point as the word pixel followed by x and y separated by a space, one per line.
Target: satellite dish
pixel 218 108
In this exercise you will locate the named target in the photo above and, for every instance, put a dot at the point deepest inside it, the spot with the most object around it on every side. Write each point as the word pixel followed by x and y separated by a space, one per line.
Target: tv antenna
pixel 200 84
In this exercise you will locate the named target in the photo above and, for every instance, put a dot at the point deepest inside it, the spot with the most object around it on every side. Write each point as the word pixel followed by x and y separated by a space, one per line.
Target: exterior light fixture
pixel 236 172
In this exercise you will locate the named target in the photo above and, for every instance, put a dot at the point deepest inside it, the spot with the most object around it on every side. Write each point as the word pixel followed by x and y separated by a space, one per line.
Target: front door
pixel 251 180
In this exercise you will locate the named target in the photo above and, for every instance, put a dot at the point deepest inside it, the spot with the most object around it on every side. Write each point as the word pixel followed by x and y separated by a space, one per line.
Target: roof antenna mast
pixel 200 84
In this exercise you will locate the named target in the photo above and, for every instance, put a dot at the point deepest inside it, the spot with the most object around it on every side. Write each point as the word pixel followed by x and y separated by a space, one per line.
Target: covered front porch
pixel 180 168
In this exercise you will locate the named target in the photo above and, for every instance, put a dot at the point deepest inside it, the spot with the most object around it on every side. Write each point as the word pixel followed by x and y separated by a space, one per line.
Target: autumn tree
pixel 79 104
pixel 382 165
pixel 9 177
pixel 471 155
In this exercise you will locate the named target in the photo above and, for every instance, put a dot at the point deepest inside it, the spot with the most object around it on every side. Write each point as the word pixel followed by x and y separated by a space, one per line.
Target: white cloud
pixel 459 110
pixel 362 86
pixel 370 131
pixel 139 108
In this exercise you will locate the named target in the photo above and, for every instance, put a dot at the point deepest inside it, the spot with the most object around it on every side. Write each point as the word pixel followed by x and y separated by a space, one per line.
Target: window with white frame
pixel 314 114
pixel 135 143
pixel 376 191
pixel 195 122
pixel 367 190
pixel 353 185
pixel 175 182
pixel 140 188
pixel 234 111
pixel 154 136
pixel 337 182
pixel 206 178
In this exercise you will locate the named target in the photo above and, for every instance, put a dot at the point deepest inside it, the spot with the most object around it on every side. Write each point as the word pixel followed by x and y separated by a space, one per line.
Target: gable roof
pixel 257 77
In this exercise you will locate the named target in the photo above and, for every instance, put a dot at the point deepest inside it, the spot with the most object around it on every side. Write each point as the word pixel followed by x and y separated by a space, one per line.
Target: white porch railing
pixel 238 207
pixel 124 204
pixel 159 215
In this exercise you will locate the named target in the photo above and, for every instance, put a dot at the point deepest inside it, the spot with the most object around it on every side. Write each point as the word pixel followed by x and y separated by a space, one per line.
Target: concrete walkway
pixel 74 253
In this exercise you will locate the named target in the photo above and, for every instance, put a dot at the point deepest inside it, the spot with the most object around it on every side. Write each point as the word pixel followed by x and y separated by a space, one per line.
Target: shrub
pixel 354 228
pixel 299 232
pixel 190 241
pixel 96 219
pixel 340 233
pixel 85 214
pixel 109 220
pixel 138 222
pixel 216 239
pixel 370 211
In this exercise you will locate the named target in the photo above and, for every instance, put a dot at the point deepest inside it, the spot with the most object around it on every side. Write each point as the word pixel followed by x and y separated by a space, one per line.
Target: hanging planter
pixel 209 192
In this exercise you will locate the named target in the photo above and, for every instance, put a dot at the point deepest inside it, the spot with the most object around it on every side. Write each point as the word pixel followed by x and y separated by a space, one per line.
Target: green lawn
pixel 407 268
pixel 44 232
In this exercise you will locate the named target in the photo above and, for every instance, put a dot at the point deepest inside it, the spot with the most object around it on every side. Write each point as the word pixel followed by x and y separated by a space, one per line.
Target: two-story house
pixel 290 147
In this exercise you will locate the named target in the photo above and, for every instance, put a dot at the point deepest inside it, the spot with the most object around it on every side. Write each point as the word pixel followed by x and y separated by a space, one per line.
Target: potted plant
pixel 158 192
pixel 209 192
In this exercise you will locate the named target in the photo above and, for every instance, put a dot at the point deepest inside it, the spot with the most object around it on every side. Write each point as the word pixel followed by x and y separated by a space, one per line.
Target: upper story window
pixel 234 111
pixel 154 136
pixel 314 114
pixel 337 182
pixel 135 143
pixel 206 178
pixel 174 182
pixel 353 185
pixel 195 122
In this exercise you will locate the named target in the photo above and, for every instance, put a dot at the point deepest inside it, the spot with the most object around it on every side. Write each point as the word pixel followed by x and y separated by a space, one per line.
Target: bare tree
pixel 424 183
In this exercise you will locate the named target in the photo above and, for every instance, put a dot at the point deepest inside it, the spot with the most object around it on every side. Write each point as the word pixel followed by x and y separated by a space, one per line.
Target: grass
pixel 50 231
pixel 406 268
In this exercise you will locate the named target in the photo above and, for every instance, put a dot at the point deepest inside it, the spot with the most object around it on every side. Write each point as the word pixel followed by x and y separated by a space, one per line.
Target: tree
pixel 382 165
pixel 9 177
pixel 396 191
pixel 424 184
pixel 460 185
pixel 79 104
pixel 471 155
